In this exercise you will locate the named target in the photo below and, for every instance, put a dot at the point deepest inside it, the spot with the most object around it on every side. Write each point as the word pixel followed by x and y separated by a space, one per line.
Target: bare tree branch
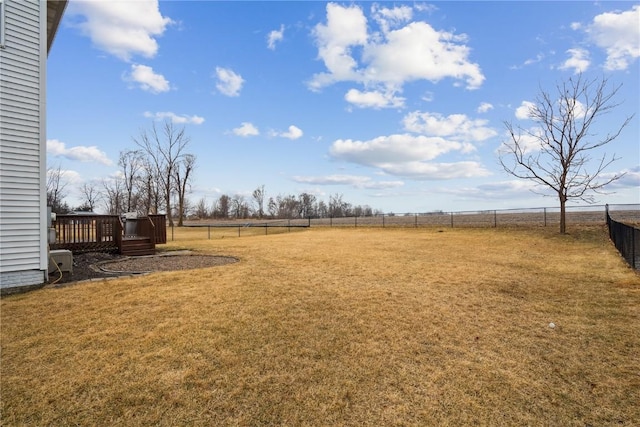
pixel 164 148
pixel 556 153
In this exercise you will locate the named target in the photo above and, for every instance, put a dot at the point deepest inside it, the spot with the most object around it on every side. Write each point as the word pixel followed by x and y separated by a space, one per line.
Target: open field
pixel 527 218
pixel 348 326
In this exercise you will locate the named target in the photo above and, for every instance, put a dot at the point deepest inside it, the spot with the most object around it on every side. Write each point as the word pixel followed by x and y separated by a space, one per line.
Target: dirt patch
pixel 98 265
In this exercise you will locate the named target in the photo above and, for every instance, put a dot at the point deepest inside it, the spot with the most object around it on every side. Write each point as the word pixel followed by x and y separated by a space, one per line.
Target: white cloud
pixel 147 79
pixel 578 60
pixel 275 36
pixel 507 189
pixel 412 156
pixel 455 126
pixel 175 118
pixel 499 190
pixel 121 28
pixel 436 171
pixel 577 108
pixel 69 177
pixel 522 112
pixel 246 129
pixel 294 132
pixel 373 99
pixel 388 60
pixel 630 179
pixel 539 57
pixel 229 83
pixel 618 33
pixel 428 96
pixel 356 181
pixel 382 185
pixel 391 18
pixel 346 27
pixel 399 148
pixel 80 153
pixel 484 107
pixel 528 141
pixel 419 52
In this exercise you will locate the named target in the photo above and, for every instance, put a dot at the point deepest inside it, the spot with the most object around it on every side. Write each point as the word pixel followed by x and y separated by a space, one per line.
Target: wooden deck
pixel 106 233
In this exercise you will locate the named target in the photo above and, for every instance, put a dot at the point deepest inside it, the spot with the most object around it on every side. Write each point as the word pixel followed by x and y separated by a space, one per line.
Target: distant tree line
pixel 303 205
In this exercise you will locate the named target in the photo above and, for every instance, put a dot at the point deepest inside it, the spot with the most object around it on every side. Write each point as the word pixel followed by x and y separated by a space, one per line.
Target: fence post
pixel 545 217
pixel 382 220
pixel 608 219
pixel 209 231
pixel 172 232
pixel 416 223
pixel 495 218
pixel 451 219
pixel 238 231
pixel 633 246
pixel 309 226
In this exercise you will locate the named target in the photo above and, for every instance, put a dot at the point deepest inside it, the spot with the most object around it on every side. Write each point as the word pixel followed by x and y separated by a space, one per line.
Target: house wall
pixel 23 250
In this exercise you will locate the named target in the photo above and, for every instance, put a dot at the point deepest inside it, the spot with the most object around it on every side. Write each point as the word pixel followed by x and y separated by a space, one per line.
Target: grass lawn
pixel 339 327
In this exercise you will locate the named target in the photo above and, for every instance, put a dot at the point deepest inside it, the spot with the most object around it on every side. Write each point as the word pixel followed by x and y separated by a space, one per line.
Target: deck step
pixel 138 246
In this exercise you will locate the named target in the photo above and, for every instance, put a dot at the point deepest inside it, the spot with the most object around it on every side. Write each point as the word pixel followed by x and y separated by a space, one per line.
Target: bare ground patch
pixel 97 265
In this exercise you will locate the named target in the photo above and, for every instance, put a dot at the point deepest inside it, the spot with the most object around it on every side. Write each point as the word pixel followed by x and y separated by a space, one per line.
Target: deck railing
pixel 159 228
pixel 104 233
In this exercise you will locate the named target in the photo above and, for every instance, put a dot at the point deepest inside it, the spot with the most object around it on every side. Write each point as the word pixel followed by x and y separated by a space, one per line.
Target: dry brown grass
pixel 339 327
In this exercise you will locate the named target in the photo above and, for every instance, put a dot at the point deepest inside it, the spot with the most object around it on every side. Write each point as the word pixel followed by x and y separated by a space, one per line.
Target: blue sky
pixel 399 106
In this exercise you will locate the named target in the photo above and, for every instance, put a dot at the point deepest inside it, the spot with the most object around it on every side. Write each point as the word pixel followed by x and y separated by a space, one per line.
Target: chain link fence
pixel 528 217
pixel 542 217
pixel 626 238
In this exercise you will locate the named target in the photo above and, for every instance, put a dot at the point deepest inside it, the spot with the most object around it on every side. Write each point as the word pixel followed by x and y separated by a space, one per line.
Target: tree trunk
pixel 563 212
pixel 168 204
pixel 180 212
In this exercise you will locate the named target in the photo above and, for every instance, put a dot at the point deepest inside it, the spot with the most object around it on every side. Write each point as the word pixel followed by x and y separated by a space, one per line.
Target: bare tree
pixel 239 207
pixel 149 190
pixel 272 207
pixel 184 210
pixel 182 176
pixel 164 148
pixel 258 198
pixel 131 162
pixel 56 185
pixel 322 209
pixel 556 153
pixel 201 210
pixel 337 206
pixel 287 206
pixel 306 205
pixel 114 195
pixel 222 207
pixel 91 195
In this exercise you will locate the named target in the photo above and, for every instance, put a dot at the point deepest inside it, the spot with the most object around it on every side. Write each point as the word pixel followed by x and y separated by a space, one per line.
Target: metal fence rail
pixel 527 217
pixel 542 217
pixel 626 238
pixel 247 227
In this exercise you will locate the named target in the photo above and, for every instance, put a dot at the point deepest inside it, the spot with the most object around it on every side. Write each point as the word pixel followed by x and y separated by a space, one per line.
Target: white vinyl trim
pixel 44 230
pixel 2 23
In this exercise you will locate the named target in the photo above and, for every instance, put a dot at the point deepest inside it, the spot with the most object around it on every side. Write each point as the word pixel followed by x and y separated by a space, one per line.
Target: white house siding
pixel 23 251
